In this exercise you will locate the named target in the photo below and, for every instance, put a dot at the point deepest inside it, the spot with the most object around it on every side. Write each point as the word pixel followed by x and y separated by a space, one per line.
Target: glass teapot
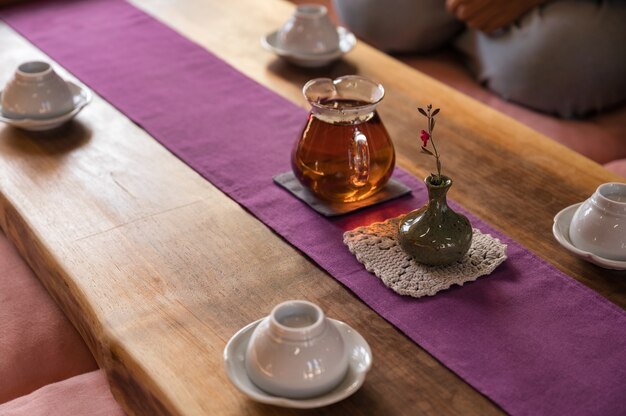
pixel 344 153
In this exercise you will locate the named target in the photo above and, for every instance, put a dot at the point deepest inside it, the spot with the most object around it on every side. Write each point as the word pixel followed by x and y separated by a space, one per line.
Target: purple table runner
pixel 529 337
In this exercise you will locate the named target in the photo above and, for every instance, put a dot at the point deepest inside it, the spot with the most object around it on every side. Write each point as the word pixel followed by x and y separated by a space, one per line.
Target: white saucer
pixel 347 40
pixel 81 96
pixel 560 229
pixel 360 363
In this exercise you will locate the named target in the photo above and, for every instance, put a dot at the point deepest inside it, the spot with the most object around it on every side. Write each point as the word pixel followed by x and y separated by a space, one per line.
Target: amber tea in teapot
pixel 344 153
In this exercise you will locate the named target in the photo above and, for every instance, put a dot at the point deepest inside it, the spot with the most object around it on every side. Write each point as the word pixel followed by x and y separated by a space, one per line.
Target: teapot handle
pixel 359 159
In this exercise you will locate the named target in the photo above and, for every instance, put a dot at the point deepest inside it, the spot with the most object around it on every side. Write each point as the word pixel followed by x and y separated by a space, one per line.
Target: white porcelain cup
pixel 296 352
pixel 36 92
pixel 599 224
pixel 308 31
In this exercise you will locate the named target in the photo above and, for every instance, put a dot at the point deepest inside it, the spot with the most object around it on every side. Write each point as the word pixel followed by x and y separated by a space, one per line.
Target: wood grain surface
pixel 139 250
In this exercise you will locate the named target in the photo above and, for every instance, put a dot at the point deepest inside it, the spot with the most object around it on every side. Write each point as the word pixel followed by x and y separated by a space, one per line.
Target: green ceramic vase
pixel 434 234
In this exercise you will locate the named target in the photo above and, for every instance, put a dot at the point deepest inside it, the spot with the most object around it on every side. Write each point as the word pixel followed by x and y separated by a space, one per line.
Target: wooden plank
pixel 138 249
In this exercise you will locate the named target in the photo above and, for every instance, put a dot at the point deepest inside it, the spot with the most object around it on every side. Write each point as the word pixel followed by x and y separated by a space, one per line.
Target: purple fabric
pixel 529 337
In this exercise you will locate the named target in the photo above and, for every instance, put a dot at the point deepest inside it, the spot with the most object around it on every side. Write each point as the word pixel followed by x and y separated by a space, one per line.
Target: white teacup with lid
pixel 309 31
pixel 599 224
pixel 296 352
pixel 36 92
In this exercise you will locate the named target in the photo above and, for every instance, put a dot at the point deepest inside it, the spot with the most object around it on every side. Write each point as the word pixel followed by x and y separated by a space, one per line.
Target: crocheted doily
pixel 377 247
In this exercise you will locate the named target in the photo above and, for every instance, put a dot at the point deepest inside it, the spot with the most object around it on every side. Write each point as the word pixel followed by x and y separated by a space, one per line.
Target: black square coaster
pixel 287 180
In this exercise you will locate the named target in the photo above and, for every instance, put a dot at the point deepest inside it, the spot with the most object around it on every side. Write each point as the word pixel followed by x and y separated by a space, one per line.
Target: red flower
pixel 424 136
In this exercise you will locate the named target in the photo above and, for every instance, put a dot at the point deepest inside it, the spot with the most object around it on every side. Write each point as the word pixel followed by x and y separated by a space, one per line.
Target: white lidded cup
pixel 36 92
pixel 296 352
pixel 599 224
pixel 308 31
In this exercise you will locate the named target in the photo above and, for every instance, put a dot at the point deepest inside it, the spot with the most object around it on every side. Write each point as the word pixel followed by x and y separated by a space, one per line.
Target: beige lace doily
pixel 376 246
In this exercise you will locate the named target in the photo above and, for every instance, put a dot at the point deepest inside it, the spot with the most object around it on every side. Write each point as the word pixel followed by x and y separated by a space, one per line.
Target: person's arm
pixel 490 15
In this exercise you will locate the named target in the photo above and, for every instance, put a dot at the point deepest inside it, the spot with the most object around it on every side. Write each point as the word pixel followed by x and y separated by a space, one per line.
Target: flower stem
pixel 430 133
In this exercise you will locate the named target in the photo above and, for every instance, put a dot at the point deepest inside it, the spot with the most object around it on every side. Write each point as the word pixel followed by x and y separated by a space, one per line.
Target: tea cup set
pixel 595 230
pixel 309 38
pixel 37 98
pixel 297 357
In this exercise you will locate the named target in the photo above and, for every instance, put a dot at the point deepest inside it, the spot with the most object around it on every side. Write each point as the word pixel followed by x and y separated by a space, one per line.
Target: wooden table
pixel 138 249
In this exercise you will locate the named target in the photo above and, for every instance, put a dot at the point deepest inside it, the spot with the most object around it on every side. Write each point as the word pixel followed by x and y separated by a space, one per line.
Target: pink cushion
pixel 84 395
pixel 617 166
pixel 38 345
pixel 601 138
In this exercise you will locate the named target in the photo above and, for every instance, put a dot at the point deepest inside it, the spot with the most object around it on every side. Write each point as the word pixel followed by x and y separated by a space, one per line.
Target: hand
pixel 490 15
